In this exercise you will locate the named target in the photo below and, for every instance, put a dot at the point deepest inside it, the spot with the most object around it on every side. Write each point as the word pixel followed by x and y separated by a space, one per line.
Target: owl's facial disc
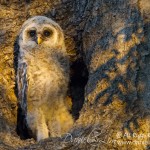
pixel 40 36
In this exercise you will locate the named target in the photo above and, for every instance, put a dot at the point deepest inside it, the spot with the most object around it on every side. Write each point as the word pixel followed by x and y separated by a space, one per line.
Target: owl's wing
pixel 22 128
pixel 22 85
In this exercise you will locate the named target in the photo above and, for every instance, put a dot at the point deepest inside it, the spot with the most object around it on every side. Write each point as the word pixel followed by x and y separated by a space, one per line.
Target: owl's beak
pixel 39 40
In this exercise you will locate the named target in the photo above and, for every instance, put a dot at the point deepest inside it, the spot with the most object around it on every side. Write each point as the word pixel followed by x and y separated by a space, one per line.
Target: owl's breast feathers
pixel 47 61
pixel 47 74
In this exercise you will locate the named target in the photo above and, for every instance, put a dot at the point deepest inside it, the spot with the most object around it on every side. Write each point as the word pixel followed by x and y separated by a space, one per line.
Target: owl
pixel 43 77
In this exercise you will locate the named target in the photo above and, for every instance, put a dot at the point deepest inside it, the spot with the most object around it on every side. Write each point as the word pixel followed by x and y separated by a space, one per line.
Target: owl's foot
pixel 42 132
pixel 61 123
pixel 37 124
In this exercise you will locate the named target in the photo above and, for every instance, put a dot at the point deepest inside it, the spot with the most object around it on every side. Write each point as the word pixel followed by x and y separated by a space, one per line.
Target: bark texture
pixel 112 39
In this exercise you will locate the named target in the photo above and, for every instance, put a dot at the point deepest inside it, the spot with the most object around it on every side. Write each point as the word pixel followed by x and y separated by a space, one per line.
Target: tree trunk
pixel 110 39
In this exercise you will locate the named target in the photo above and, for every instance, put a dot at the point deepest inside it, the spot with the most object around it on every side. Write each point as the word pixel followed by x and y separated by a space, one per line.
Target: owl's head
pixel 41 31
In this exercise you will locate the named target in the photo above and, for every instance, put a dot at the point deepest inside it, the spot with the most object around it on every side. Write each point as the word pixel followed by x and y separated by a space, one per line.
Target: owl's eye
pixel 47 33
pixel 32 33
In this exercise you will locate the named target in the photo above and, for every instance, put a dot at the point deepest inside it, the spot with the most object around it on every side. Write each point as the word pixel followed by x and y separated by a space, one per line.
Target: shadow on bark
pixel 114 59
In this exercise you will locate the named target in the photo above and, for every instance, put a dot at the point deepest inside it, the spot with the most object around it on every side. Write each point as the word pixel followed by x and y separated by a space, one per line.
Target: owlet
pixel 43 77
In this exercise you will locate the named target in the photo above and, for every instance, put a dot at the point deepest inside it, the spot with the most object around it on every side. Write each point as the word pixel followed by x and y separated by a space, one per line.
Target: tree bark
pixel 113 40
